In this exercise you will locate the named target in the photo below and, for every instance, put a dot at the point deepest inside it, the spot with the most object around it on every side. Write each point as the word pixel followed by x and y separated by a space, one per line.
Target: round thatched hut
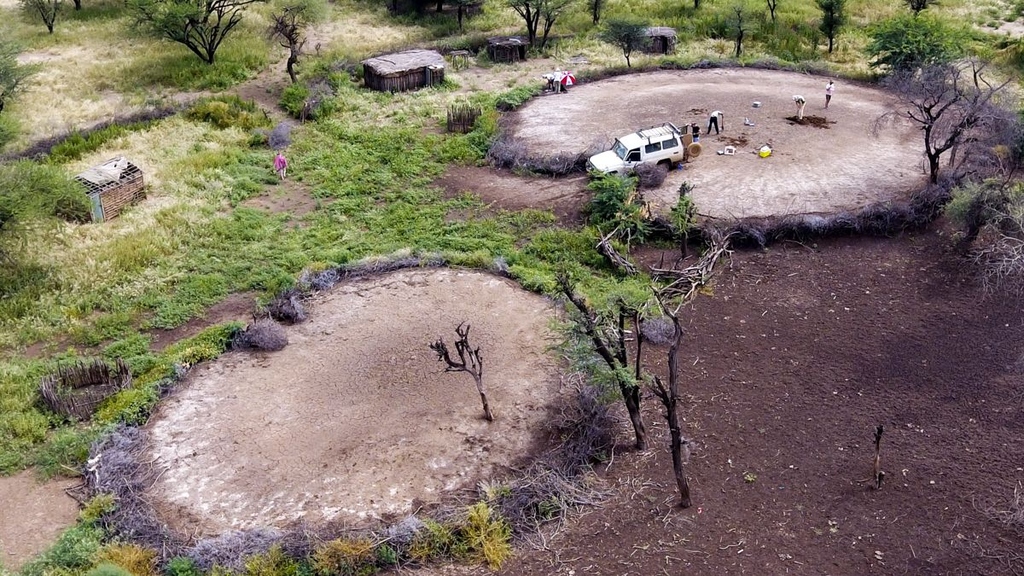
pixel 401 71
pixel 660 40
pixel 507 48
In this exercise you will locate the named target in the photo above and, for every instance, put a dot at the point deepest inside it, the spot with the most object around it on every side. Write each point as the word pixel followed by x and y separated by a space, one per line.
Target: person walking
pixel 829 88
pixel 717 119
pixel 280 165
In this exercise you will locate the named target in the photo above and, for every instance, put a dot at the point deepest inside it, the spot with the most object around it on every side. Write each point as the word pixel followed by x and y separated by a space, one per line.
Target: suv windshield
pixel 620 150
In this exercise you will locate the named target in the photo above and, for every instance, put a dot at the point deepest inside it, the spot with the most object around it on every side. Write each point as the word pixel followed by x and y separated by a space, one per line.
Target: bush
pixel 345 558
pixel 228 112
pixel 132 558
pixel 909 41
pixel 434 541
pixel 274 563
pixel 108 569
pixel 516 97
pixel 263 334
pixel 487 536
pixel 287 307
pixel 8 130
pixel 183 566
pixel 650 175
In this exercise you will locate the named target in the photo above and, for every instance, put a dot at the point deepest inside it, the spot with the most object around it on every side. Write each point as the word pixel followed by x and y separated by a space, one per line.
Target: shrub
pixel 516 97
pixel 263 334
pixel 274 563
pixel 108 569
pixel 132 558
pixel 345 558
pixel 72 552
pixel 8 130
pixel 287 307
pixel 434 541
pixel 97 506
pixel 228 112
pixel 183 566
pixel 487 536
pixel 650 175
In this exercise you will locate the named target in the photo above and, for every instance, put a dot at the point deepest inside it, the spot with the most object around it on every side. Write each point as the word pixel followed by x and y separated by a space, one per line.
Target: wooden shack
pixel 507 48
pixel 660 40
pixel 402 71
pixel 112 186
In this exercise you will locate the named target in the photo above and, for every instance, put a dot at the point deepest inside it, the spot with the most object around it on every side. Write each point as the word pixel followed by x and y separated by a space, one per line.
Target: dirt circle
pixel 355 418
pixel 841 163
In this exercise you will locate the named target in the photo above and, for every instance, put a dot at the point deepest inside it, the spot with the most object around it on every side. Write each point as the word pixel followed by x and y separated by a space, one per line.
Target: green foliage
pixel 72 553
pixel 386 556
pixel 516 97
pixel 9 130
pixel 193 295
pixel 907 42
pixel 293 98
pixel 199 25
pixel 833 18
pixel 131 558
pixel 183 566
pixel 78 144
pixel 228 111
pixel 108 569
pixel 274 563
pixel 627 35
pixel 434 541
pixel 65 450
pixel 97 507
pixel 12 75
pixel 487 536
pixel 344 557
pixel 616 204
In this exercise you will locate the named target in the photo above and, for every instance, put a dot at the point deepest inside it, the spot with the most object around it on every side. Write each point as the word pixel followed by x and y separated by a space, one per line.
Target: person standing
pixel 829 88
pixel 280 165
pixel 717 119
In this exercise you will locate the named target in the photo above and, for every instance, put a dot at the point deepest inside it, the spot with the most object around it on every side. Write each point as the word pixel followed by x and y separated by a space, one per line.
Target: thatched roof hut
pixel 507 48
pixel 409 70
pixel 112 186
pixel 661 40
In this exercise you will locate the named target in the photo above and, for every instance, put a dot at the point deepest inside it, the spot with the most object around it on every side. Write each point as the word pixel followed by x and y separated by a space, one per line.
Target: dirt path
pixel 32 514
pixel 355 418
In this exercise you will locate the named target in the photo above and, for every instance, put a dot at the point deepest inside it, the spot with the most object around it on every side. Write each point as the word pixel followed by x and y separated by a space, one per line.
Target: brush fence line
pixel 76 390
pixel 112 187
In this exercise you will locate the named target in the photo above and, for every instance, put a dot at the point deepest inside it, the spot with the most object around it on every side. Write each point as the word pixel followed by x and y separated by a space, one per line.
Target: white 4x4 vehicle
pixel 659 145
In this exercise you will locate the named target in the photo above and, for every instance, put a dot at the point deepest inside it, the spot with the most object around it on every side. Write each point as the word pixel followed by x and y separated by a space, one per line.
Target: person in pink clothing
pixel 280 165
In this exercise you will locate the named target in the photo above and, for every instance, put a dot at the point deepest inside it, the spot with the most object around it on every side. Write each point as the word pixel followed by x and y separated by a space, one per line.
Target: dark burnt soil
pixel 787 368
pixel 816 121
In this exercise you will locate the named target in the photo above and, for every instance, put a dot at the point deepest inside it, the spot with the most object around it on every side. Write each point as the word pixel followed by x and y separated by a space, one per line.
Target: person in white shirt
pixel 800 103
pixel 828 92
pixel 717 119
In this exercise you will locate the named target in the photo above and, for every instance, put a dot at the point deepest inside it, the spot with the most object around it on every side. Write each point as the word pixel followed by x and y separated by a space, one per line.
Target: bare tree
pixel 918 5
pixel 469 361
pixel 738 27
pixel 683 288
pixel 287 27
pixel 46 9
pixel 610 344
pixel 951 103
pixel 529 11
pixel 773 5
pixel 550 11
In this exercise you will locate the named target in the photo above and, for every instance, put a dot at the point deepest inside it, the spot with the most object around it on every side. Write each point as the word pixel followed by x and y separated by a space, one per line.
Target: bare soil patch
pixel 288 197
pixel 355 419
pixel 32 515
pixel 815 121
pixel 787 367
pixel 501 189
pixel 235 307
pixel 810 171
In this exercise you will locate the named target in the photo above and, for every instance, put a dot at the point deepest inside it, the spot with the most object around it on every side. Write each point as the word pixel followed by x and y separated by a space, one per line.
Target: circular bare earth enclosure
pixel 839 159
pixel 355 419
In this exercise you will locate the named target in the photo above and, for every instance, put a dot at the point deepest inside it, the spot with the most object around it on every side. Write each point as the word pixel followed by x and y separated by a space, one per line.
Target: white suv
pixel 658 145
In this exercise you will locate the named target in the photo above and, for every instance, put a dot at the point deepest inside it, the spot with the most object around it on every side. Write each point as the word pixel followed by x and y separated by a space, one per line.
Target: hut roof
pixel 507 41
pixel 402 61
pixel 108 174
pixel 661 31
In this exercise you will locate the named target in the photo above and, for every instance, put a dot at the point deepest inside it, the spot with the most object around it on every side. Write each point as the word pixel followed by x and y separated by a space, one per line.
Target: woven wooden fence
pixel 76 390
pixel 462 117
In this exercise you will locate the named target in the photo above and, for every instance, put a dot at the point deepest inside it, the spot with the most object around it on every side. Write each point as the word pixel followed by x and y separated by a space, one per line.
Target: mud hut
pixel 112 187
pixel 401 71
pixel 660 40
pixel 507 48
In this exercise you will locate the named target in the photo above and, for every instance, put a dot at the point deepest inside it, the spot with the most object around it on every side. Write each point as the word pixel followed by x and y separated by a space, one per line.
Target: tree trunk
pixel 831 40
pixel 487 407
pixel 293 59
pixel 631 396
pixel 933 168
pixel 739 43
pixel 460 17
pixel 677 456
pixel 78 4
pixel 440 6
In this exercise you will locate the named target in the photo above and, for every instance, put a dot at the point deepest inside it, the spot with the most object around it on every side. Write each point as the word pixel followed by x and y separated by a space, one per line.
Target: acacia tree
pixel 287 27
pixel 609 341
pixel 550 11
pixel 833 18
pixel 469 362
pixel 531 11
pixel 949 103
pixel 12 74
pixel 628 35
pixel 772 7
pixel 908 42
pixel 201 25
pixel 47 10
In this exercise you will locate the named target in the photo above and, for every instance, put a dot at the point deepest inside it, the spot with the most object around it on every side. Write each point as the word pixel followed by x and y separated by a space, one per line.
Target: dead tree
pixel 605 248
pixel 286 27
pixel 610 344
pixel 469 361
pixel 953 104
pixel 681 291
